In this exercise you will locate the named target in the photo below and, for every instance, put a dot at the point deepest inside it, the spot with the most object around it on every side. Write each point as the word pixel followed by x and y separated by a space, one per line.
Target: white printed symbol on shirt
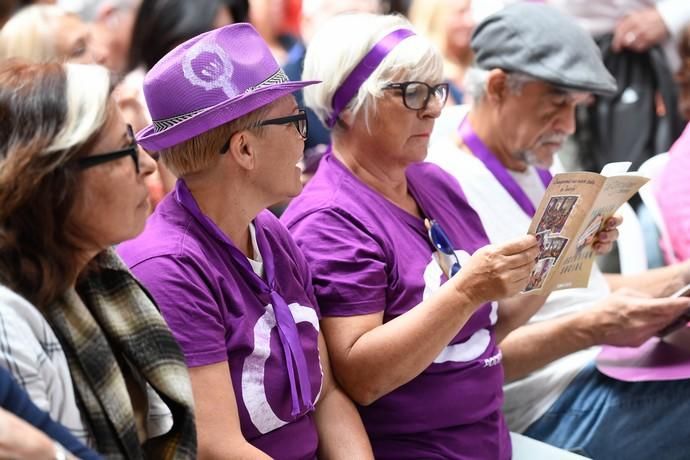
pixel 253 390
pixel 476 345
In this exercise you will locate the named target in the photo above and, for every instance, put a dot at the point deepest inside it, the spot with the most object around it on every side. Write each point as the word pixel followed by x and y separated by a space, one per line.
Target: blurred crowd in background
pixel 645 45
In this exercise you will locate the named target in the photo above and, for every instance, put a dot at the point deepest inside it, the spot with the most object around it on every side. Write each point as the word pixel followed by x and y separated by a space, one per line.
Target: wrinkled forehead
pixel 563 95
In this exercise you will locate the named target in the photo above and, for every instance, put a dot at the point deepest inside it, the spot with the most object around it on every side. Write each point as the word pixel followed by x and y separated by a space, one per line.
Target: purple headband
pixel 363 70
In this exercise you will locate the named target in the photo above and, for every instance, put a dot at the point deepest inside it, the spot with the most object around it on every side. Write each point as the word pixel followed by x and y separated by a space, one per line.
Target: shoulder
pixel 169 233
pixel 20 316
pixel 431 178
pixel 277 235
pixel 30 350
pixel 332 191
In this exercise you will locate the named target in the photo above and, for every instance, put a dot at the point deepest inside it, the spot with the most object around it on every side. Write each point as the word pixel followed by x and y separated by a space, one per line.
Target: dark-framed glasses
pixel 131 150
pixel 299 121
pixel 447 259
pixel 417 94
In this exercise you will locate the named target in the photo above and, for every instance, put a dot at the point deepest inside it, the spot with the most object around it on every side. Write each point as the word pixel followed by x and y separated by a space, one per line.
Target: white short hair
pixel 30 33
pixel 88 10
pixel 328 8
pixel 476 80
pixel 87 96
pixel 341 43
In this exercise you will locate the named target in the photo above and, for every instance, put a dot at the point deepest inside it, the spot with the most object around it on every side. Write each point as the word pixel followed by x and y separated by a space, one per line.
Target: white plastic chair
pixel 652 168
pixel 525 448
pixel 631 248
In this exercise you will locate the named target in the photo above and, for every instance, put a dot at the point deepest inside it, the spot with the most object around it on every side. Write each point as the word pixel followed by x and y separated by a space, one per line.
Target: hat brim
pixel 216 115
pixel 605 87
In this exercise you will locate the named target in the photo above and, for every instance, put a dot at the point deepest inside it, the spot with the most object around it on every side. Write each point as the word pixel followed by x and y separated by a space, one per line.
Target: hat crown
pixel 210 69
pixel 540 41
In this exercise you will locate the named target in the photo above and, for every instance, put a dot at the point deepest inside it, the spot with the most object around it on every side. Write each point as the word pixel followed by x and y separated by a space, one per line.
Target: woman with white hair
pixel 383 232
pixel 45 33
pixel 77 330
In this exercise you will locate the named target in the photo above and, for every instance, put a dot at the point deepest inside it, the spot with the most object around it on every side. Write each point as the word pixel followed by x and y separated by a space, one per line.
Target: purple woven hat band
pixel 363 70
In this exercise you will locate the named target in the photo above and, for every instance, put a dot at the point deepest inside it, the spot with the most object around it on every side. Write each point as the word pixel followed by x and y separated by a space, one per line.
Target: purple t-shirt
pixel 368 255
pixel 219 310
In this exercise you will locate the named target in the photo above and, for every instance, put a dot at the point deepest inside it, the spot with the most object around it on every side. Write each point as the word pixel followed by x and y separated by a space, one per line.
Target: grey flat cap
pixel 539 41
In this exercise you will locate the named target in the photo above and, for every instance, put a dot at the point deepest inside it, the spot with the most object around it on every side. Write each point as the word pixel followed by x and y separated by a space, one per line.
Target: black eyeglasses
pixel 299 121
pixel 447 259
pixel 417 94
pixel 131 150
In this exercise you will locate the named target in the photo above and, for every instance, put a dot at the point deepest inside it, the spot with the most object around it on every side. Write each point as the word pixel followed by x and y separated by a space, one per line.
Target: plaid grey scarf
pixel 110 316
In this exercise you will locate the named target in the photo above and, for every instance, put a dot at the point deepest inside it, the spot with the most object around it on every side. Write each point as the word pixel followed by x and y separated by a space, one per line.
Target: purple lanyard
pixel 287 329
pixel 481 151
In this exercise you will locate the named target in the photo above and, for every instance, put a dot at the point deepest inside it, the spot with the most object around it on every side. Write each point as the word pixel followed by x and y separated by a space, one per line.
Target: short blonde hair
pixel 330 59
pixel 29 34
pixel 201 152
pixel 429 18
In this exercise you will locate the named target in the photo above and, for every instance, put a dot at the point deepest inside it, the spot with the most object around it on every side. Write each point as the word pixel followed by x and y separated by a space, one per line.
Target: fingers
pixel 602 248
pixel 613 222
pixel 639 31
pixel 604 241
pixel 674 305
pixel 655 312
pixel 517 246
pixel 621 35
pixel 525 258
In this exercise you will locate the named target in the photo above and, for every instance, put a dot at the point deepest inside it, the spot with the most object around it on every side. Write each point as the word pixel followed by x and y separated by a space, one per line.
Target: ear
pixel 105 12
pixel 346 119
pixel 242 149
pixel 497 85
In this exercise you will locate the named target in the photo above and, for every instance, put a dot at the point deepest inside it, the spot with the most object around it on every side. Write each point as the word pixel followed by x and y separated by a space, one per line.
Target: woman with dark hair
pixel 76 326
pixel 161 25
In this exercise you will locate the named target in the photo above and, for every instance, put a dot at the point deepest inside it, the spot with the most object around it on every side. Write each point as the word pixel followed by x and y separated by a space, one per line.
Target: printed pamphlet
pixel 574 208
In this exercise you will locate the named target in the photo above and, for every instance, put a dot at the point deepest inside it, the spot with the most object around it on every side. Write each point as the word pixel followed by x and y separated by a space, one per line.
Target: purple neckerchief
pixel 362 70
pixel 287 329
pixel 481 151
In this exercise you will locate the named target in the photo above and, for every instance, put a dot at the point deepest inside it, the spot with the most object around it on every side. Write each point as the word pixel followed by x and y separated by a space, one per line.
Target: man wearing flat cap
pixel 533 66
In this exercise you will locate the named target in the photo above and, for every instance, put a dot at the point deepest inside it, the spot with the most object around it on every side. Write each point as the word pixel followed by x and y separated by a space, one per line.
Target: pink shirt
pixel 672 191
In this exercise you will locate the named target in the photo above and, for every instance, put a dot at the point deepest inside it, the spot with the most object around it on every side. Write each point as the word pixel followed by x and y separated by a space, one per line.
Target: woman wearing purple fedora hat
pixel 383 232
pixel 232 285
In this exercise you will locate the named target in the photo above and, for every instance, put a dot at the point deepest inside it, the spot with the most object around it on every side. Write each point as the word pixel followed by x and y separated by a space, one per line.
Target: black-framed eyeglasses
pixel 447 259
pixel 417 94
pixel 132 150
pixel 299 121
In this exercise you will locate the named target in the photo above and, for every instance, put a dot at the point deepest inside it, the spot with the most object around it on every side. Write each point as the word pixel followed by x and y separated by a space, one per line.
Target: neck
pixel 80 262
pixel 487 126
pixel 231 203
pixel 387 178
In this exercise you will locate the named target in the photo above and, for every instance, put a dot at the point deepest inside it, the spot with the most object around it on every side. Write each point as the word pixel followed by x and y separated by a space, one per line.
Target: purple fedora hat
pixel 208 81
